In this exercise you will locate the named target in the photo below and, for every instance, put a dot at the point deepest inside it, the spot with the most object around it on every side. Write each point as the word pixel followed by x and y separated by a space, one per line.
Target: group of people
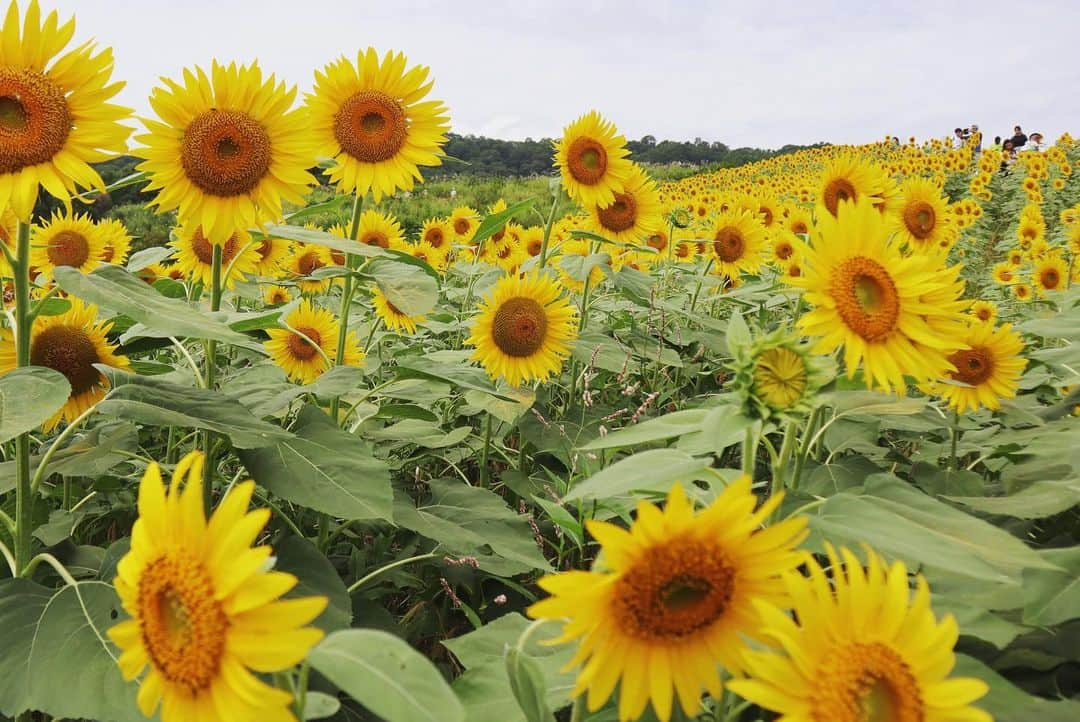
pixel 1008 147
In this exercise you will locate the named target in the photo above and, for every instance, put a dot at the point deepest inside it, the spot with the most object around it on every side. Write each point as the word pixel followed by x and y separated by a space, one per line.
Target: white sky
pixel 747 73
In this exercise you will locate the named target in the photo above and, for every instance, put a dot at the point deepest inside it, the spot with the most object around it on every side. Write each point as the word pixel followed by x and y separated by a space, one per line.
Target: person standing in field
pixel 1019 140
pixel 976 139
pixel 997 143
pixel 1035 142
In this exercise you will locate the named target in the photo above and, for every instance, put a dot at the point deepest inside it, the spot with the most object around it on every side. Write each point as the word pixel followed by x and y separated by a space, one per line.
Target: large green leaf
pixel 1009 703
pixel 654 470
pixel 408 288
pixel 663 427
pixel 387 676
pixel 1043 498
pixel 527 683
pixel 468 520
pixel 148 400
pixel 28 397
pixel 327 240
pixel 323 468
pixel 317 577
pixel 114 288
pixel 1052 596
pixel 453 370
pixel 899 520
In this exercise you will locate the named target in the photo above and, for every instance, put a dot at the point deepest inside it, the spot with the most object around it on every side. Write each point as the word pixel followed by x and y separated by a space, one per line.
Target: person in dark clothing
pixel 1019 139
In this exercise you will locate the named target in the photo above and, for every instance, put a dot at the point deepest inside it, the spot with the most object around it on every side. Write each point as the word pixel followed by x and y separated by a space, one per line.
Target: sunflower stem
pixel 485 452
pixel 697 290
pixel 749 452
pixel 210 379
pixel 23 492
pixel 804 448
pixel 955 437
pixel 346 299
pixel 547 230
pixel 39 474
pixel 387 567
pixel 577 714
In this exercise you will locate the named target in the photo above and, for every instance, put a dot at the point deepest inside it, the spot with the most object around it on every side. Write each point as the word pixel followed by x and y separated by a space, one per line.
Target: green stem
pixel 547 230
pixel 387 567
pixel 577 714
pixel 484 454
pixel 346 300
pixel 749 452
pixel 804 448
pixel 210 379
pixel 23 493
pixel 697 290
pixel 780 467
pixel 955 434
pixel 56 445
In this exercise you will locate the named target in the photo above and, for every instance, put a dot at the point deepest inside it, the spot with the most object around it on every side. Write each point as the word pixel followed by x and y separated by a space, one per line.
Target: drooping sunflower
pixel 921 219
pixel 848 178
pixel 523 329
pixel 895 315
pixel 990 368
pixel 206 612
pixel 371 118
pixel 379 229
pixel 863 648
pixel 672 598
pixel 71 343
pixel 55 118
pixel 117 241
pixel 1051 273
pixel 777 375
pixel 634 212
pixel 66 240
pixel 737 243
pixel 593 160
pixel 394 318
pixel 195 255
pixel 308 346
pixel 227 149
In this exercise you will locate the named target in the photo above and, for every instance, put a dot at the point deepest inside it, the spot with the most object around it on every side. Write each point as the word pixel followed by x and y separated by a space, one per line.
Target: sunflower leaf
pixel 28 397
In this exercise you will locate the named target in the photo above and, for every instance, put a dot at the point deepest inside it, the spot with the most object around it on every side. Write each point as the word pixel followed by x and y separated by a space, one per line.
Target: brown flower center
pixel 919 219
pixel 462 226
pixel 34 119
pixel 68 248
pixel 69 350
pixel 836 191
pixel 728 244
pixel 435 236
pixel 866 683
pixel 1050 279
pixel 519 327
pixel 586 159
pixel 371 126
pixel 657 240
pixel 308 262
pixel 866 298
pixel 300 348
pixel 225 152
pixel 204 250
pixel 620 215
pixel 973 366
pixel 375 238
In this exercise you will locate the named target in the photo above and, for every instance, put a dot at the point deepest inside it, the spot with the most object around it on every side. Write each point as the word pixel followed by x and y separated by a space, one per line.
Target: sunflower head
pixel 117 241
pixel 195 255
pixel 308 345
pixel 592 158
pixel 67 240
pixel 848 179
pixel 737 242
pixel 776 375
pixel 987 371
pixel 921 219
pixel 203 605
pixel 392 317
pixel 633 213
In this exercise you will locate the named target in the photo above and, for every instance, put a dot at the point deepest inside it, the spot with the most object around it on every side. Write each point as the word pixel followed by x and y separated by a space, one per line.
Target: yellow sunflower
pixel 896 315
pixel 737 243
pixel 276 295
pixel 863 648
pixel 848 178
pixel 1022 292
pixel 463 222
pixel 990 368
pixel 523 329
pixel 206 611
pixel 532 241
pixel 305 260
pixel 117 241
pixel 1003 273
pixel 984 311
pixel 1051 273
pixel 438 234
pixel 379 229
pixel 273 255
pixel 9 227
pixel 672 598
pixel 921 219
pixel 593 160
pixel 308 346
pixel 66 240
pixel 227 149
pixel 392 316
pixel 195 255
pixel 634 212
pixel 371 118
pixel 434 257
pixel 799 221
pixel 55 118
pixel 72 343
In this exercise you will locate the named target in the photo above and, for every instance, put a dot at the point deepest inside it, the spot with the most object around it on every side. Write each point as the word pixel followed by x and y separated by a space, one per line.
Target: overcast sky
pixel 758 73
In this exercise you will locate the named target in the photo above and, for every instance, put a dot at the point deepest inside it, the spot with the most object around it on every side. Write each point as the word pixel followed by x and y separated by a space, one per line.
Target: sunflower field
pixel 795 440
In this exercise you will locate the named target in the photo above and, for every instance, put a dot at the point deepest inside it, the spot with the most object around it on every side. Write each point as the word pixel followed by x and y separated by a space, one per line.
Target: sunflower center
pixel 108 253
pixel 836 191
pixel 534 246
pixel 183 625
pixel 371 126
pixel 462 226
pixel 866 683
pixel 1050 278
pixel 799 227
pixel 658 241
pixel 375 238
pixel 69 350
pixel 264 248
pixel 68 248
pixel 973 366
pixel 34 119
pixel 308 262
pixel 866 298
pixel 767 215
pixel 779 377
pixel 784 250
pixel 920 219
pixel 729 244
pixel 204 250
pixel 300 347
pixel 225 152
pixel 620 215
pixel 435 237
pixel 519 327
pixel 586 160
pixel 278 296
pixel 674 590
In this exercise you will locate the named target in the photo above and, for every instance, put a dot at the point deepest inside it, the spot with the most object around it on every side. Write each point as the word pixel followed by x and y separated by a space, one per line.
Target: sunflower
pixel 799 221
pixel 921 219
pixel 633 214
pixel 984 311
pixel 227 149
pixel 738 243
pixel 523 329
pixel 379 229
pixel 990 368
pixel 777 375
pixel 308 346
pixel 276 295
pixel 393 317
pixel 1051 273
pixel 305 260
pixel 72 343
pixel 532 241
pixel 593 160
pixel 9 227
pixel 783 249
pixel 66 240
pixel 463 222
pixel 437 233
pixel 848 178
pixel 117 241
pixel 54 116
pixel 205 607
pixel 672 598
pixel 430 255
pixel 863 648
pixel 195 255
pixel 898 316
pixel 372 120
pixel 1022 292
pixel 1003 273
pixel 1015 258
pixel 273 255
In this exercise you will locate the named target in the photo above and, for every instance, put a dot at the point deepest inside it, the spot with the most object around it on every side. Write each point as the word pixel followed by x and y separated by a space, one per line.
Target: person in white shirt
pixel 1035 142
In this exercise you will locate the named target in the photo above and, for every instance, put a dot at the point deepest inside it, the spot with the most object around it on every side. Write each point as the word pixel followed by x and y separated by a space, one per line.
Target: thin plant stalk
pixel 346 299
pixel 210 378
pixel 23 493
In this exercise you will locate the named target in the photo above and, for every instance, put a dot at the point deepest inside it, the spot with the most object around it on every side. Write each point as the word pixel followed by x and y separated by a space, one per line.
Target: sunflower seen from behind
pixel 207 616
pixel 55 115
pixel 371 117
pixel 226 150
pixel 895 316
pixel 523 329
pixel 66 240
pixel 593 160
pixel 863 648
pixel 306 348
pixel 672 599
